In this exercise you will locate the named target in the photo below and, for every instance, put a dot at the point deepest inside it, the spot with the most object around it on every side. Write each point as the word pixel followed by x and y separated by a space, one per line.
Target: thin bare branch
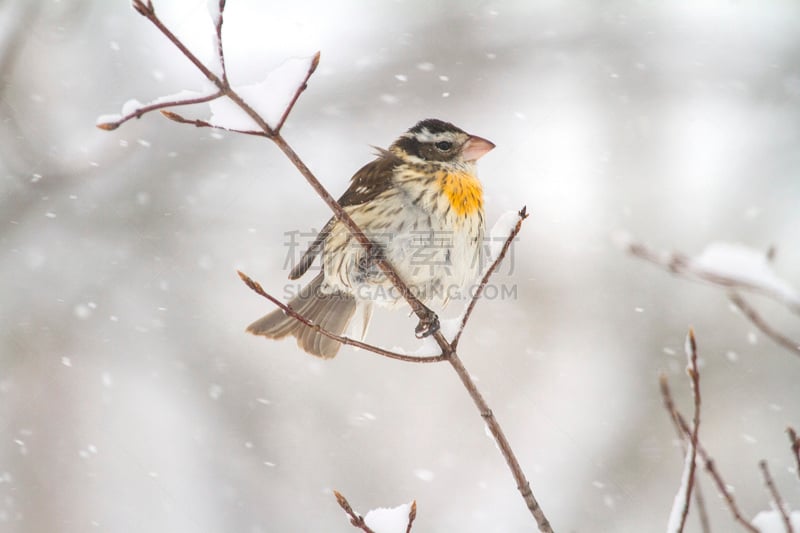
pixel 220 48
pixel 683 427
pixel 412 515
pixel 523 485
pixel 694 375
pixel 138 112
pixel 488 274
pixel 756 319
pixel 356 519
pixel 303 86
pixel 175 117
pixel 795 440
pixel 776 496
pixel 257 288
pixel 681 264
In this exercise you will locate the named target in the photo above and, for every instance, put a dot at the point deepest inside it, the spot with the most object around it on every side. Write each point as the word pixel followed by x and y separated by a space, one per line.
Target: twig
pixel 137 113
pixel 175 117
pixel 776 496
pixel 752 315
pixel 683 265
pixel 683 428
pixel 220 48
pixel 795 440
pixel 691 454
pixel 523 214
pixel 412 515
pixel 356 519
pixel 256 287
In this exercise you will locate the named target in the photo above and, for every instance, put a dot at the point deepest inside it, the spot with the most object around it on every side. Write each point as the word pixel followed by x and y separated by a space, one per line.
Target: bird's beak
pixel 475 148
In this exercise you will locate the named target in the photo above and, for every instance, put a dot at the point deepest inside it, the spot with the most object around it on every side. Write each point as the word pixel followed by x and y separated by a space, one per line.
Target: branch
pixel 682 265
pixel 488 274
pixel 776 497
pixel 256 287
pixel 158 104
pixel 356 519
pixel 175 117
pixel 795 440
pixel 683 428
pixel 752 315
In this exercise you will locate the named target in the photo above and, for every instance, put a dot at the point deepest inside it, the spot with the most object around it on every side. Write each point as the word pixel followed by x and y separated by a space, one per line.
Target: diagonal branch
pixel 683 428
pixel 256 287
pixel 795 443
pixel 776 496
pixel 488 274
pixel 680 264
pixel 758 321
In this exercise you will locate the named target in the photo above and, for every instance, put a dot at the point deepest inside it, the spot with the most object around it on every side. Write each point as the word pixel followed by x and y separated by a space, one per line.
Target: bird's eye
pixel 444 146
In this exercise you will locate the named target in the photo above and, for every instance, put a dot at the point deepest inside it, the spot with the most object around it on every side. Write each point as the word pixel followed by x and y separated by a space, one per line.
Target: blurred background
pixel 132 400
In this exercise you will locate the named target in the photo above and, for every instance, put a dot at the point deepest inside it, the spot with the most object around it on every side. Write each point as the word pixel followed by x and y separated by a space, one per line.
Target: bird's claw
pixel 428 325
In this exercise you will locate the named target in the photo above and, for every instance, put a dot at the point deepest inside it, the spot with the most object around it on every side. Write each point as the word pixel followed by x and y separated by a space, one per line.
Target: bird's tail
pixel 331 312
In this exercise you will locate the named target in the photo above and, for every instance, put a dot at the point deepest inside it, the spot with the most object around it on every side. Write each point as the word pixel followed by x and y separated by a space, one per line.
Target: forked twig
pixel 138 112
pixel 356 519
pixel 776 496
pixel 683 427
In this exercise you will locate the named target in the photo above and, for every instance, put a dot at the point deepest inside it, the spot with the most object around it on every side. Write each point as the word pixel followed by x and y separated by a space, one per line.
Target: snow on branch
pixel 734 267
pixel 398 519
pixel 260 107
pixel 683 498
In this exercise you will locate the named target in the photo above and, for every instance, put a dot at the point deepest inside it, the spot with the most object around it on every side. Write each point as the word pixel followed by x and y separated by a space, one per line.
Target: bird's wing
pixel 366 184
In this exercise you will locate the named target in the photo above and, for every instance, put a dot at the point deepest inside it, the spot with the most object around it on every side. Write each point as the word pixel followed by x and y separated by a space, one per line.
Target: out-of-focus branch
pixel 795 441
pixel 680 264
pixel 776 496
pixel 683 428
pixel 758 321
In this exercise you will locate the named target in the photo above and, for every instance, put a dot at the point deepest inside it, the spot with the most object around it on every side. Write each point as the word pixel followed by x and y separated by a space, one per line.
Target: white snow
pixel 424 474
pixel 747 266
pixel 500 232
pixel 269 97
pixel 680 497
pixel 384 520
pixel 772 522
pixel 133 105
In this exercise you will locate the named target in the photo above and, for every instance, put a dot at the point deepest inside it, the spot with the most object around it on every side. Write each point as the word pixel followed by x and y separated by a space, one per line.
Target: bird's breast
pixel 462 191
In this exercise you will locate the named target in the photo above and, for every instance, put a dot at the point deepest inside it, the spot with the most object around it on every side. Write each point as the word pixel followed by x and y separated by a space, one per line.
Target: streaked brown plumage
pixel 422 204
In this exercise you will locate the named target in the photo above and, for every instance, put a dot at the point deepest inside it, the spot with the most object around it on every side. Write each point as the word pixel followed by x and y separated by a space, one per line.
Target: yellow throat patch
pixel 463 191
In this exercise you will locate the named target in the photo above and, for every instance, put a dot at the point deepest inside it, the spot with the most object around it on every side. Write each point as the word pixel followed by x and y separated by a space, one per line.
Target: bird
pixel 421 205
